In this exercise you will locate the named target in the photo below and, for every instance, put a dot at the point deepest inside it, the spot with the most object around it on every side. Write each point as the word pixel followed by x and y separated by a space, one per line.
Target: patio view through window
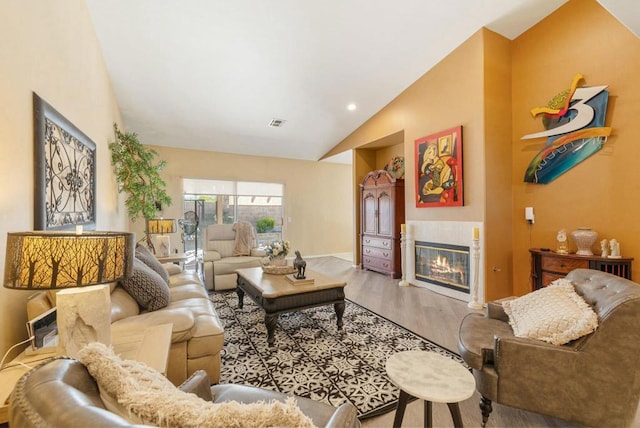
pixel 226 202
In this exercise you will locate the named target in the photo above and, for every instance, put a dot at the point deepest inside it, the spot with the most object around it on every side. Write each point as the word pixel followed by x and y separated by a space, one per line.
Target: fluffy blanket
pixel 245 238
pixel 143 396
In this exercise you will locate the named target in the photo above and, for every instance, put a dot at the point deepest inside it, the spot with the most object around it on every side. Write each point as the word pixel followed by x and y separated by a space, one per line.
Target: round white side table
pixel 431 377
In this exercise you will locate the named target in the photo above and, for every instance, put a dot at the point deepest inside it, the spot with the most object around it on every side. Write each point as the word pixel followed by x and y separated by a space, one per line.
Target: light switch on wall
pixel 528 215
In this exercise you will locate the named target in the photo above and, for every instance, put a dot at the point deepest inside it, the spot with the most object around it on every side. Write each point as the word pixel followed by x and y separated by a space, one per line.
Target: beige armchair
pixel 225 251
pixel 594 380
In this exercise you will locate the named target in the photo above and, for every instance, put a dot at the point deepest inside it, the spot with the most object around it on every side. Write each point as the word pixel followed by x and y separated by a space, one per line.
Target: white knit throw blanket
pixel 151 399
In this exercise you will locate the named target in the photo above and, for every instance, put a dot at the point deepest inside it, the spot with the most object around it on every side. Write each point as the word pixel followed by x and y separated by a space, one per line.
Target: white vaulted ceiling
pixel 212 74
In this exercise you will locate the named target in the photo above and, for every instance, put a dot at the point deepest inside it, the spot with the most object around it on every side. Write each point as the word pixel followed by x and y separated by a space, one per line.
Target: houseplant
pixel 138 175
pixel 265 224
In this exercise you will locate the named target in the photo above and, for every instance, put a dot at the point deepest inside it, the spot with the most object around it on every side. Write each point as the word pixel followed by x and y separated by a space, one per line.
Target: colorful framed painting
pixel 439 169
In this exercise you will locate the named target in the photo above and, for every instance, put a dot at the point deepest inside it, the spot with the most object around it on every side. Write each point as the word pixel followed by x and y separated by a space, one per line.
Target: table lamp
pixel 79 265
pixel 160 226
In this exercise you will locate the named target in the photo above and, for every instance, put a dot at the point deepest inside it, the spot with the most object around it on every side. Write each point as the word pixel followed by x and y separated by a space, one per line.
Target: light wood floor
pixel 430 315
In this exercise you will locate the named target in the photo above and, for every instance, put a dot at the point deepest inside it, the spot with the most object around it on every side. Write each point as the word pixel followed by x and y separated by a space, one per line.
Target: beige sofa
pixel 220 263
pixel 198 334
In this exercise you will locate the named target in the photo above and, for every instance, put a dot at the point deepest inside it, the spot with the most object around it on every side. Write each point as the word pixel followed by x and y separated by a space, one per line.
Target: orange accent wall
pixel 601 192
pixel 489 86
pixel 497 199
pixel 470 87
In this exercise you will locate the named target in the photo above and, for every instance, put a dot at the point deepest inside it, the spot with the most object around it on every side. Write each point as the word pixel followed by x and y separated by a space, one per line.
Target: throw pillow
pixel 172 268
pixel 143 395
pixel 146 287
pixel 144 255
pixel 554 314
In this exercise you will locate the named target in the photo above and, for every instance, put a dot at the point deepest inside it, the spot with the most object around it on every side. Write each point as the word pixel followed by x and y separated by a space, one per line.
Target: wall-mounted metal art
pixel 574 121
pixel 65 172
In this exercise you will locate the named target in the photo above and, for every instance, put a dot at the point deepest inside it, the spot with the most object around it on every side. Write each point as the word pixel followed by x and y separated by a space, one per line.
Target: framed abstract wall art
pixel 438 160
pixel 574 122
pixel 65 172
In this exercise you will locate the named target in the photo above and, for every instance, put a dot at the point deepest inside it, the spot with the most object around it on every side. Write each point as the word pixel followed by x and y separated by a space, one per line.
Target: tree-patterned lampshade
pixel 161 225
pixel 50 260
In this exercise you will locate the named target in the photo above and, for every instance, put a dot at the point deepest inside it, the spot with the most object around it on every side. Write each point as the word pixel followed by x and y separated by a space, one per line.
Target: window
pixel 226 202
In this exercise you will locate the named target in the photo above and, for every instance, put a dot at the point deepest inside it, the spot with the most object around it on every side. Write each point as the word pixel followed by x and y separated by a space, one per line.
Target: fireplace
pixel 445 265
pixel 453 241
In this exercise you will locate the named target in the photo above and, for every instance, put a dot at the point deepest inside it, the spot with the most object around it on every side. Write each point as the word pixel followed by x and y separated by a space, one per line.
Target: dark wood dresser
pixel 382 213
pixel 547 266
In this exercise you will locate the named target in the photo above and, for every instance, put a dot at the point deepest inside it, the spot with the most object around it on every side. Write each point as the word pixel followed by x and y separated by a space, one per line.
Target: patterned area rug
pixel 312 358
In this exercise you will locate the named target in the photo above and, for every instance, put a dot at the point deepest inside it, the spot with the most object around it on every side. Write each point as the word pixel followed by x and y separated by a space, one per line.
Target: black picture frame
pixel 65 172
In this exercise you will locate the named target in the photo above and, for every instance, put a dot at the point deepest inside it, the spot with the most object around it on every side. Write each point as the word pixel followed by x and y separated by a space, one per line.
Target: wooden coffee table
pixel 276 295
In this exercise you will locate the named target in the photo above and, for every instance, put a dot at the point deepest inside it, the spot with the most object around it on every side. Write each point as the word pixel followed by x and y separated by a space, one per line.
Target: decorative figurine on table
pixel 614 246
pixel 300 265
pixel 563 246
pixel 604 246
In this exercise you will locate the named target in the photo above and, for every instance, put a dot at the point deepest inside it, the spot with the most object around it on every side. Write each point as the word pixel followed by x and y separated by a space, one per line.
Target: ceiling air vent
pixel 276 123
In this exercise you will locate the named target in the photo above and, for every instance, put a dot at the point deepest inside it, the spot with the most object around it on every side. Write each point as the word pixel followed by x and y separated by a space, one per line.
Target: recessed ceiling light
pixel 352 107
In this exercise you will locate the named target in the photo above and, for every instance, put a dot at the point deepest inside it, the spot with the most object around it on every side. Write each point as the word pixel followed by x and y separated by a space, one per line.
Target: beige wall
pixel 601 192
pixel 317 197
pixel 49 48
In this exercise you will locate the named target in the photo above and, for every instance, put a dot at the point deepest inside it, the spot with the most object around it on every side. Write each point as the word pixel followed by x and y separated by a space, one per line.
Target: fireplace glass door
pixel 443 264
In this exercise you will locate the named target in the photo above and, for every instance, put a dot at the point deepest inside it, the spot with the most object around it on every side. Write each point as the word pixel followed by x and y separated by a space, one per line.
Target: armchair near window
pixel 593 380
pixel 228 247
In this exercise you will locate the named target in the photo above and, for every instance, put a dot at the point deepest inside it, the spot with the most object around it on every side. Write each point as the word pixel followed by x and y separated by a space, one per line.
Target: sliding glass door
pixel 226 202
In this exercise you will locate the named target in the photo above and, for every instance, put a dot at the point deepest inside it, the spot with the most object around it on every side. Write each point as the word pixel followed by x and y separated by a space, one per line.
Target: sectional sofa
pixel 159 294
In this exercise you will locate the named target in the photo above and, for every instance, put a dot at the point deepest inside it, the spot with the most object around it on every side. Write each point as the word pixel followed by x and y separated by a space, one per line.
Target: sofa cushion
pixel 172 269
pixel 225 248
pixel 146 287
pixel 145 256
pixel 183 322
pixel 152 399
pixel 186 291
pixel 122 305
pixel 208 333
pixel 211 256
pixel 554 314
pixel 184 278
pixel 229 265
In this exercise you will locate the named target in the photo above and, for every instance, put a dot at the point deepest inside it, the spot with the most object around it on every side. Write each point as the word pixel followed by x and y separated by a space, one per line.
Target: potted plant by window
pixel 265 224
pixel 138 175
